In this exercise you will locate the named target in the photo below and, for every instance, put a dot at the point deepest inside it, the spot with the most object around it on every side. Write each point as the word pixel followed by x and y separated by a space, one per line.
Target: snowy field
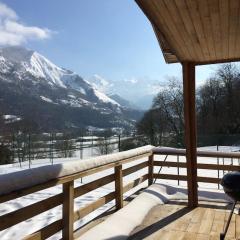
pixel 41 220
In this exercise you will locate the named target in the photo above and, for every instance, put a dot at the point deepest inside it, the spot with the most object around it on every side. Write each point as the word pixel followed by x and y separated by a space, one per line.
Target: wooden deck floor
pixel 176 221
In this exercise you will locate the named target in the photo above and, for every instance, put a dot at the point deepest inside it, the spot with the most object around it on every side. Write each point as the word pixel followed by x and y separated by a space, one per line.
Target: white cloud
pixel 7 12
pixel 13 32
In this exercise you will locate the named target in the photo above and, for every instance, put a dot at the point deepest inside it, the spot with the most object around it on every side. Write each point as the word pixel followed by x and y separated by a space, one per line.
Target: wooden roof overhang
pixel 198 31
pixel 194 32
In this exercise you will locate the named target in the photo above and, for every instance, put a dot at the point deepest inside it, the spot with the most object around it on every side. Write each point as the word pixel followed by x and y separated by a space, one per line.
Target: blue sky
pixel 111 38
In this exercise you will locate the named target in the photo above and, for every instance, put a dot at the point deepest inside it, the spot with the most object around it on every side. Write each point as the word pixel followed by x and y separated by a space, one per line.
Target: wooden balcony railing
pixel 69 192
pixel 200 154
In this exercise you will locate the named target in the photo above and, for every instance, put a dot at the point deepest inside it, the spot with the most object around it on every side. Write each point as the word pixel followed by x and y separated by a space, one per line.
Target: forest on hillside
pixel 217 110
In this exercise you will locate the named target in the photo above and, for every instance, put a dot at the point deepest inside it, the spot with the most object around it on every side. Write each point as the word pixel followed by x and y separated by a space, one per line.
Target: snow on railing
pixel 26 178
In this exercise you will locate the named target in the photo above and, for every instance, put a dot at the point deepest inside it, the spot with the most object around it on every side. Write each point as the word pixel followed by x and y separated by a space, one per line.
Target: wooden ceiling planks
pixel 224 18
pixel 237 45
pixel 170 30
pixel 179 27
pixel 199 31
pixel 206 21
pixel 198 26
pixel 234 8
pixel 186 26
pixel 213 6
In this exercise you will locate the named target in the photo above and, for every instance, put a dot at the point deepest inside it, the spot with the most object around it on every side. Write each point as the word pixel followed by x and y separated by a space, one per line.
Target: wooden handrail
pixel 61 180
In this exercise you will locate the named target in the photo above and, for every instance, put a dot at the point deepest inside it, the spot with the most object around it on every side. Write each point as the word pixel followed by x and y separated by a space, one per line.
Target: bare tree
pixel 166 116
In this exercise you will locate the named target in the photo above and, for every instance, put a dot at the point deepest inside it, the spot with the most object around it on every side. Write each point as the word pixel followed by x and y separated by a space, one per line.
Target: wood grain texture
pixel 190 130
pixel 68 208
pixel 199 31
pixel 118 186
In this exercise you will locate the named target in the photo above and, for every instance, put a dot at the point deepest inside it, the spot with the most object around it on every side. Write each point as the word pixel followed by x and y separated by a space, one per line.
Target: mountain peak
pixel 23 61
pixel 16 53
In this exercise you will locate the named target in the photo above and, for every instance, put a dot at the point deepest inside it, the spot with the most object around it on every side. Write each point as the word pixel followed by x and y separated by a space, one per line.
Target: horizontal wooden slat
pixel 61 180
pixel 182 152
pixel 34 236
pixel 184 178
pixel 30 211
pixel 170 177
pixel 134 183
pixel 93 206
pixel 134 168
pixel 83 189
pixel 26 191
pixel 199 165
pixel 170 164
pixel 208 180
pixel 218 167
pixel 47 231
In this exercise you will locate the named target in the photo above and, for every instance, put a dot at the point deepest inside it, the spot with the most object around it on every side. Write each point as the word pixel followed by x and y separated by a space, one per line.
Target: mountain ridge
pixel 30 78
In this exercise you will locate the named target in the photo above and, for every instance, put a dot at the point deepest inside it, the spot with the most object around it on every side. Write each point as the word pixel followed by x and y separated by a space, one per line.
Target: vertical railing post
pixel 29 150
pixel 223 164
pixel 81 147
pixel 218 169
pixel 68 210
pixel 150 170
pixel 119 143
pixel 178 169
pixel 118 186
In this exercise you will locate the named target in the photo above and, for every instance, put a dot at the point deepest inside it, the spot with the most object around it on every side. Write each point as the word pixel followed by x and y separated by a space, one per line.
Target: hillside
pixel 46 97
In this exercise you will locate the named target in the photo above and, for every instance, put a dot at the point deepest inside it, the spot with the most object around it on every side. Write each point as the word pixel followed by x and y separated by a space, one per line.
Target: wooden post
pixel 150 170
pixel 68 210
pixel 29 149
pixel 190 131
pixel 119 143
pixel 118 186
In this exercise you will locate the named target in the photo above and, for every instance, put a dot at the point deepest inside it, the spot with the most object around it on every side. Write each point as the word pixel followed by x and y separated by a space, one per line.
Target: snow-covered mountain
pixel 122 101
pixel 20 62
pixel 29 78
pixel 100 83
pixel 139 92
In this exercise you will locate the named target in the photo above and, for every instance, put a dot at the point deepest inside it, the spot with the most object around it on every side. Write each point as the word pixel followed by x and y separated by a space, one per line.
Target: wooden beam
pixel 47 231
pixel 23 214
pixel 84 211
pixel 119 186
pixel 185 178
pixel 135 183
pixel 190 131
pixel 34 236
pixel 199 166
pixel 88 187
pixel 68 210
pixel 150 170
pixel 135 168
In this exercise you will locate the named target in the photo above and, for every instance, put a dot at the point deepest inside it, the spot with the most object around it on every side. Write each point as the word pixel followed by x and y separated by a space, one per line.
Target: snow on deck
pixel 120 224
